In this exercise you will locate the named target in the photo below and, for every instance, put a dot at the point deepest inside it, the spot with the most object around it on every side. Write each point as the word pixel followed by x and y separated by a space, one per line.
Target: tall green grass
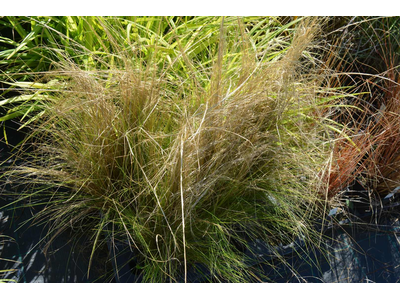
pixel 183 137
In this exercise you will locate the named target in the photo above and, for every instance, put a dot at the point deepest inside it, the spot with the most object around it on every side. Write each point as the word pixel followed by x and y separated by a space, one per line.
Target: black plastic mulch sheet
pixel 349 254
pixel 23 253
pixel 352 254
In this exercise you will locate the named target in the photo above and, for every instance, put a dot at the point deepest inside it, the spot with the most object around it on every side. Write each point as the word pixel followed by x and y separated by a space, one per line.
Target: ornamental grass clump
pixel 370 157
pixel 187 159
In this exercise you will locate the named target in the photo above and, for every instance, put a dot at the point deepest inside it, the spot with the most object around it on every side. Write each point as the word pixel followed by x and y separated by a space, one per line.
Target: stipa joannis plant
pixel 186 172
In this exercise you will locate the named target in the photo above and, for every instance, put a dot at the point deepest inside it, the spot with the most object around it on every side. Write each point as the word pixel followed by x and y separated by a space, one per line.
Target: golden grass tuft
pixel 176 163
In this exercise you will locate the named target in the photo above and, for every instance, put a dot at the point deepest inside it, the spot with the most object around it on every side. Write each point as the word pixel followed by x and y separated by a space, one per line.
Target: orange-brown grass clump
pixel 367 152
